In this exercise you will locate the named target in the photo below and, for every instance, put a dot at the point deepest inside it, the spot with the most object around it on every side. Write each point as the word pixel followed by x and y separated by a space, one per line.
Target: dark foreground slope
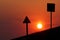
pixel 51 34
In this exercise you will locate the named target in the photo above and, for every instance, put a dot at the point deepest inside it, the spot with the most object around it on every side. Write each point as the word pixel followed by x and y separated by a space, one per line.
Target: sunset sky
pixel 13 12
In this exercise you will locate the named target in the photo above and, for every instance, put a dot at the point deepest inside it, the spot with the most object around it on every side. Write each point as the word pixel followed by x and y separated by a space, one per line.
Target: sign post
pixel 51 8
pixel 26 20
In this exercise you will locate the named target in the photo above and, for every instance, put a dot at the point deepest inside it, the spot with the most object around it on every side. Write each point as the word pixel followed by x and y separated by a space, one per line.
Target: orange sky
pixel 13 12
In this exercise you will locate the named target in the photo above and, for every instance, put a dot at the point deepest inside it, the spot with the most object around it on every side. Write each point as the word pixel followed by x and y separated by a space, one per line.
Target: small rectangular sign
pixel 50 7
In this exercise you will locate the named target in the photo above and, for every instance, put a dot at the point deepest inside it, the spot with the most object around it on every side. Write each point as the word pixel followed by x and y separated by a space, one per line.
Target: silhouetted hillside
pixel 51 34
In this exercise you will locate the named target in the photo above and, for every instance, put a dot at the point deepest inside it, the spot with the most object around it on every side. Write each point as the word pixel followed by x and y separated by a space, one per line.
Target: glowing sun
pixel 39 26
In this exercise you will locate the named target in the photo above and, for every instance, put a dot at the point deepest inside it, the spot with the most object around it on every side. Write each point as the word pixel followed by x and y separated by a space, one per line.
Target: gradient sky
pixel 13 12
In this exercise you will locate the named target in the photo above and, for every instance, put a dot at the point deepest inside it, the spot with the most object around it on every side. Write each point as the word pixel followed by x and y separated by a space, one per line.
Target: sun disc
pixel 39 26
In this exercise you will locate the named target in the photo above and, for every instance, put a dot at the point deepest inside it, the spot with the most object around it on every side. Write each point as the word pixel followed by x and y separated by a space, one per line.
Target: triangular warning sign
pixel 26 20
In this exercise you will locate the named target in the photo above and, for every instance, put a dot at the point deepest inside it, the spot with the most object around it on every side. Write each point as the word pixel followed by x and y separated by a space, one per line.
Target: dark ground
pixel 50 34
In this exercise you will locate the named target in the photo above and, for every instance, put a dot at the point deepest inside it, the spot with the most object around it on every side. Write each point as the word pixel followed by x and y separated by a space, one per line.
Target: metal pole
pixel 51 20
pixel 27 29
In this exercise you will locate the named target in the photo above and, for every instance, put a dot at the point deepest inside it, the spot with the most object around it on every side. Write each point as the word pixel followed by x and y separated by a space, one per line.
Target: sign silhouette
pixel 26 20
pixel 51 8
